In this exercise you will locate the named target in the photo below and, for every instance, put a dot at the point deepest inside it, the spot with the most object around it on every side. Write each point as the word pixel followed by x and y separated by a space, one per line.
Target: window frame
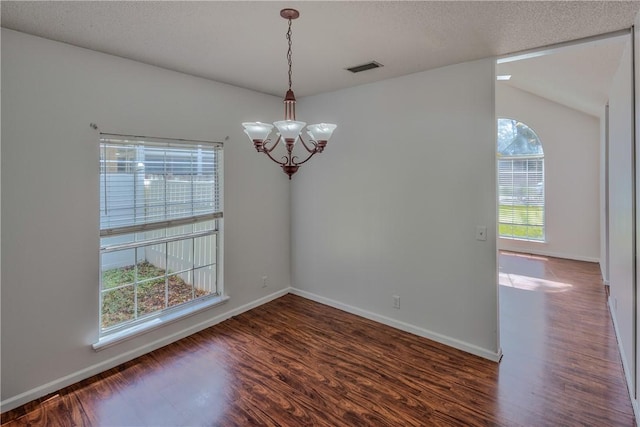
pixel 522 157
pixel 144 322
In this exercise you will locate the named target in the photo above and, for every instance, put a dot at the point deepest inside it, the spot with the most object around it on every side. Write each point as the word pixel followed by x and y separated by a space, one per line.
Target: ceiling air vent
pixel 364 67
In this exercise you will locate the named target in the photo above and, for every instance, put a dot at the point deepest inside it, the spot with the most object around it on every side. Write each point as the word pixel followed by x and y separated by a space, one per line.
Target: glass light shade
pixel 257 130
pixel 289 129
pixel 321 131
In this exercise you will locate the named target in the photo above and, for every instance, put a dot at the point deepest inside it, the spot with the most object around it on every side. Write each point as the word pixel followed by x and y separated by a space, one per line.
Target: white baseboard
pixel 416 330
pixel 60 383
pixel 625 364
pixel 605 280
pixel 549 253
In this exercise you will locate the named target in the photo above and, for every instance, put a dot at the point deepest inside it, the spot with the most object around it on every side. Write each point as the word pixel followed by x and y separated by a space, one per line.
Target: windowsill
pixel 157 322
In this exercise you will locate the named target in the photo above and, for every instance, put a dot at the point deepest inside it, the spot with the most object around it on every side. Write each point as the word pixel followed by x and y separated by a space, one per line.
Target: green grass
pixel 120 276
pixel 120 292
pixel 512 218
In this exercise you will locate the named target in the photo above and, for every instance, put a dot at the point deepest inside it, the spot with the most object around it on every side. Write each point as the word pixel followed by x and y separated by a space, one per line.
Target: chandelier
pixel 289 131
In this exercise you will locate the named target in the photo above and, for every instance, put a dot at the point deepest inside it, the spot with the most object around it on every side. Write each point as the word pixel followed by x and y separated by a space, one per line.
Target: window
pixel 160 214
pixel 520 182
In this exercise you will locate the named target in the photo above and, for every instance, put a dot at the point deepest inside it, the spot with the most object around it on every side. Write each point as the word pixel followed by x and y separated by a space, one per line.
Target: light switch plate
pixel 481 232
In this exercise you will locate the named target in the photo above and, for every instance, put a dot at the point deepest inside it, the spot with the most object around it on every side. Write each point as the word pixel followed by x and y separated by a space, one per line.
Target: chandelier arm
pixel 273 147
pixel 277 161
pixel 293 162
pixel 314 145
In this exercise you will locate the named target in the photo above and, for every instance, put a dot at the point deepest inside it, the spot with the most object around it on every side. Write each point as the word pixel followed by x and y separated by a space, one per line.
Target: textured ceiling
pixel 242 43
pixel 578 76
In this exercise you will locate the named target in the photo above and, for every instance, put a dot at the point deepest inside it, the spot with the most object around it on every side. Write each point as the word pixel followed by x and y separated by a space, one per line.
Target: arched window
pixel 520 182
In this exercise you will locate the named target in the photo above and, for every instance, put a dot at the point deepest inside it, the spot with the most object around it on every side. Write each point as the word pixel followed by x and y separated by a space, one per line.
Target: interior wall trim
pixel 547 49
pixel 503 247
pixel 634 206
pixel 625 363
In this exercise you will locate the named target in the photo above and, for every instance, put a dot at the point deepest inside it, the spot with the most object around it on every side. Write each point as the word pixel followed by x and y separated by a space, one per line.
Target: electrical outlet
pixel 396 301
pixel 264 281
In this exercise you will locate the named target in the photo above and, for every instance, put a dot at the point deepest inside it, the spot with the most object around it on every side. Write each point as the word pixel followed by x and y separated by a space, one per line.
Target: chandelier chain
pixel 289 52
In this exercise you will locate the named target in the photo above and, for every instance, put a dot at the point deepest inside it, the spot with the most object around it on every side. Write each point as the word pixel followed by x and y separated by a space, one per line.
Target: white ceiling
pixel 243 43
pixel 578 76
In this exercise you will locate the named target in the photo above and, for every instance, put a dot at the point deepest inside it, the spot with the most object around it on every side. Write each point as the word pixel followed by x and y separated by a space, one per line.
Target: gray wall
pixel 50 206
pixel 391 207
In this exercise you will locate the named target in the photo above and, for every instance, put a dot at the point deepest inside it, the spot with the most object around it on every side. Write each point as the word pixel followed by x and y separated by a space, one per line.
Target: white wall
pixel 392 205
pixel 621 240
pixel 571 144
pixel 50 93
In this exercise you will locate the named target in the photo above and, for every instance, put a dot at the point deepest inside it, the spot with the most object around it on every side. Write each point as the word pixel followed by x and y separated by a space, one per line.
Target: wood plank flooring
pixel 293 362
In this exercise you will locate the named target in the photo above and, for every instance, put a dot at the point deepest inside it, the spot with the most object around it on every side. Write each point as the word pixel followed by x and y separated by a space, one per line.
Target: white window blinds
pixel 521 184
pixel 521 192
pixel 152 183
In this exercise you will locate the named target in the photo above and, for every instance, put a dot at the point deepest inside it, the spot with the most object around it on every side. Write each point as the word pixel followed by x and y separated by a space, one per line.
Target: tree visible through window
pixel 520 182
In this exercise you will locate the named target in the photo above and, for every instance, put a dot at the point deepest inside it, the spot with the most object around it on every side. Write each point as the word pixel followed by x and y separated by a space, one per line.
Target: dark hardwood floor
pixel 293 362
